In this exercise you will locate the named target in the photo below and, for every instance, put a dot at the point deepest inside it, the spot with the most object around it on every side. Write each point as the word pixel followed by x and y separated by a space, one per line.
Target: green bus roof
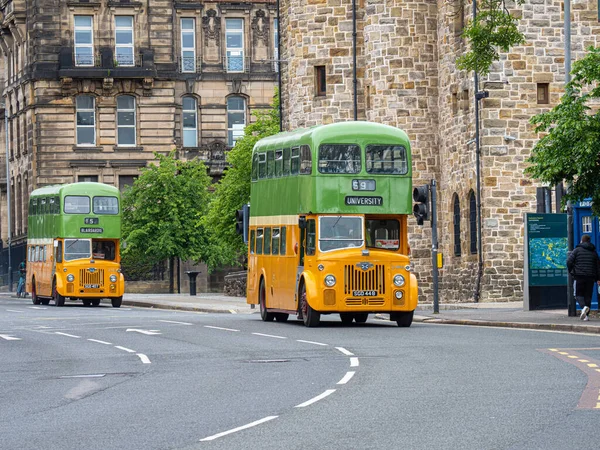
pixel 333 193
pixel 52 222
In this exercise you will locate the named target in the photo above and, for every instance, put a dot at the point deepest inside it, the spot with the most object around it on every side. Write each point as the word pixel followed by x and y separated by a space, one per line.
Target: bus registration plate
pixel 91 286
pixel 364 293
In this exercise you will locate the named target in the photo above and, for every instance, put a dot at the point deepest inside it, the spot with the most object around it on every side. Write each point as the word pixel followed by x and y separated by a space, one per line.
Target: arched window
pixel 86 120
pixel 473 222
pixel 190 122
pixel 456 221
pixel 126 121
pixel 236 119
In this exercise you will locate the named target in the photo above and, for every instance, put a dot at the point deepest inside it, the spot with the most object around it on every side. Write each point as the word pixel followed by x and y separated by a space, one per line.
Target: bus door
pixel 301 252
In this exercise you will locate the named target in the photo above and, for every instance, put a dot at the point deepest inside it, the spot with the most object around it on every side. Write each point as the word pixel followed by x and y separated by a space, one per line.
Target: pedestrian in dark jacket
pixel 584 265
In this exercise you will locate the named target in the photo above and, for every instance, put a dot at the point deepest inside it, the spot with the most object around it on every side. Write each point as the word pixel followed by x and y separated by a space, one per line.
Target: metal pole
pixel 279 68
pixel 8 201
pixel 570 297
pixel 478 178
pixel 434 247
pixel 354 80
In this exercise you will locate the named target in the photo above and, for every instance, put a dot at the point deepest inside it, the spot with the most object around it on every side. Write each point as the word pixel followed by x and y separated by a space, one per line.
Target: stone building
pixel 91 88
pixel 406 76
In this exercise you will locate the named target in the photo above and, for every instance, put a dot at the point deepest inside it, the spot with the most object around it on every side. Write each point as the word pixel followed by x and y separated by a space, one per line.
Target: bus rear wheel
pixel 34 298
pixel 116 302
pixel 59 300
pixel 281 317
pixel 265 315
pixel 404 319
pixel 310 317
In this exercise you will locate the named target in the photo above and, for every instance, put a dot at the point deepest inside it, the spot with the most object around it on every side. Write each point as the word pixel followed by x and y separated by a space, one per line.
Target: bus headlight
pixel 399 294
pixel 329 280
pixel 398 280
pixel 70 278
pixel 113 278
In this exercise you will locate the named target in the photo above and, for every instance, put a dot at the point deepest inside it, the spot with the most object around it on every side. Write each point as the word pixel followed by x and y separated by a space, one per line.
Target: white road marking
pixel 144 358
pixel 316 399
pixel 36 307
pixel 311 342
pixel 96 375
pixel 233 311
pixel 220 328
pixel 270 335
pixel 14 310
pixel 100 342
pixel 67 334
pixel 344 351
pixel 354 362
pixel 128 350
pixel 346 378
pixel 7 337
pixel 234 430
pixel 173 321
pixel 148 332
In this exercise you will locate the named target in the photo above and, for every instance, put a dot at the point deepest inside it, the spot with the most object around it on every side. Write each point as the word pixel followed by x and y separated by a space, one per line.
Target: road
pixel 99 378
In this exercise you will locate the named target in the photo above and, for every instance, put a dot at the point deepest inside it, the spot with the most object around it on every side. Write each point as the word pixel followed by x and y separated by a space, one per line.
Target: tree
pixel 570 150
pixel 494 27
pixel 163 210
pixel 233 190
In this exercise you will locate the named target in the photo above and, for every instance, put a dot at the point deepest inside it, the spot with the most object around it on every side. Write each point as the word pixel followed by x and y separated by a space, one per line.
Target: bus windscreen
pixel 336 232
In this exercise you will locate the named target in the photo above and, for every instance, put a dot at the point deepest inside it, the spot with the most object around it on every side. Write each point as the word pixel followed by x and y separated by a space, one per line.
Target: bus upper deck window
pixel 259 241
pixel 106 205
pixel 77 204
pixel 286 162
pixel 388 159
pixel 270 164
pixel 262 165
pixel 339 158
pixel 305 160
pixel 295 161
pixel 255 167
pixel 278 163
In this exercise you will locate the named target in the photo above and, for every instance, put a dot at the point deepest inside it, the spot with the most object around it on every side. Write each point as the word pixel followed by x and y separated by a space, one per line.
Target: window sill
pixel 86 149
pixel 75 4
pixel 118 4
pixel 121 148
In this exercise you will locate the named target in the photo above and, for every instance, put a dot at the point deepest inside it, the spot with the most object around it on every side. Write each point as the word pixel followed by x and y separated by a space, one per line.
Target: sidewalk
pixel 503 314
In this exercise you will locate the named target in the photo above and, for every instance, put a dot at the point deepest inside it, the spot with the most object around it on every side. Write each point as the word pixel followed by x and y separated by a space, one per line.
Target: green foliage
pixel 570 150
pixel 233 190
pixel 493 28
pixel 163 210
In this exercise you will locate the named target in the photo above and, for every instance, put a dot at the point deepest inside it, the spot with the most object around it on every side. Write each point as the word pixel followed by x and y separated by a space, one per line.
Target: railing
pixel 240 64
pixel 189 64
pixel 95 60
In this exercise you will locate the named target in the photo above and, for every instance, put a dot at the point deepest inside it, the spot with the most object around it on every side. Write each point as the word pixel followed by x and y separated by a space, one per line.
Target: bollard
pixel 192 276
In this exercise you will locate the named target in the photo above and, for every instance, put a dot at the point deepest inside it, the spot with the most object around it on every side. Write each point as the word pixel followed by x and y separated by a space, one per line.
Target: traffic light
pixel 242 221
pixel 421 208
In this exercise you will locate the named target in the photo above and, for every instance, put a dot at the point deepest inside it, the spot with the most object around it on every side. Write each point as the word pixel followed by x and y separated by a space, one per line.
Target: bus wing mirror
pixel 302 222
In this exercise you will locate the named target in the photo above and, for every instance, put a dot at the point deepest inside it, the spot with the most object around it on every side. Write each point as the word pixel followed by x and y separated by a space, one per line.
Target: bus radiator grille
pixel 365 302
pixel 92 280
pixel 356 279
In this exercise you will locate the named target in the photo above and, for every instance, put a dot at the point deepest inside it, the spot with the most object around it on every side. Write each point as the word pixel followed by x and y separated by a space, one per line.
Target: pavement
pixel 500 314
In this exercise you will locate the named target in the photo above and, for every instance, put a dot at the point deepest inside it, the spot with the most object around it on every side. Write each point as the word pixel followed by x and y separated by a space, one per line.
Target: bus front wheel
pixel 361 317
pixel 310 317
pixel 34 298
pixel 265 315
pixel 404 319
pixel 96 302
pixel 59 300
pixel 116 302
pixel 346 318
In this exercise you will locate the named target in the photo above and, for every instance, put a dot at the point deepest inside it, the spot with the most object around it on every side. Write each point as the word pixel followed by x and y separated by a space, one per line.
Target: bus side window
pixel 267 241
pixel 311 237
pixel 270 164
pixel 295 161
pixel 44 253
pixel 286 162
pixel 282 242
pixel 305 160
pixel 59 252
pixel 275 242
pixel 262 165
pixel 255 167
pixel 252 240
pixel 278 163
pixel 259 241
pixel 37 253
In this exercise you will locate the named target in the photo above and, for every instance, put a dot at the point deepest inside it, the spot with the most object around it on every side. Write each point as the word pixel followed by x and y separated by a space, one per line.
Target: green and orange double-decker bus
pixel 73 237
pixel 328 224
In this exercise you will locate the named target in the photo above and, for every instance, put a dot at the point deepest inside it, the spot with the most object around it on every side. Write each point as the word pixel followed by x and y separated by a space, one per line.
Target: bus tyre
pixel 262 299
pixel 34 298
pixel 59 300
pixel 310 317
pixel 96 302
pixel 116 302
pixel 86 302
pixel 361 317
pixel 281 317
pixel 404 319
pixel 346 318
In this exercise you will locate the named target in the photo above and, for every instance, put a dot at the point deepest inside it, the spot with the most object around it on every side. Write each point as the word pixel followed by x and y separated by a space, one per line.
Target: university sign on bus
pixel 355 200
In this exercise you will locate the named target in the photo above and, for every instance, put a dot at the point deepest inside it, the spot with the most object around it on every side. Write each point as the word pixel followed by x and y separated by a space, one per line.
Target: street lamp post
pixel 8 201
pixel 570 298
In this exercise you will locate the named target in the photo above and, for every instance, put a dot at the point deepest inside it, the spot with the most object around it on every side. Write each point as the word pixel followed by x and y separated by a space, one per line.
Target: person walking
pixel 584 266
pixel 21 285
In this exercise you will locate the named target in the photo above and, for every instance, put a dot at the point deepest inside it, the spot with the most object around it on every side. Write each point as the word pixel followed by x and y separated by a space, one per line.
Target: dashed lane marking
pixel 311 342
pixel 354 362
pixel 128 350
pixel 175 322
pixel 7 337
pixel 219 328
pixel 346 378
pixel 99 342
pixel 14 310
pixel 144 358
pixel 234 430
pixel 344 351
pixel 270 335
pixel 327 393
pixel 67 334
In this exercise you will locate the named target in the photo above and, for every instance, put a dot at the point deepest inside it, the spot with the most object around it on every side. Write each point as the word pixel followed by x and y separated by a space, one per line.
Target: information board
pixel 547 248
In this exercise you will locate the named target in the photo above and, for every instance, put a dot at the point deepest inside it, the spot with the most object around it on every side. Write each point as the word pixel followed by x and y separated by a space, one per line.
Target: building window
pixel 236 119
pixel 456 221
pixel 126 180
pixel 473 222
pixel 188 45
pixel 543 93
pixel 87 179
pixel 126 121
pixel 190 122
pixel 84 41
pixel 276 44
pixel 86 120
pixel 234 38
pixel 124 40
pixel 320 81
